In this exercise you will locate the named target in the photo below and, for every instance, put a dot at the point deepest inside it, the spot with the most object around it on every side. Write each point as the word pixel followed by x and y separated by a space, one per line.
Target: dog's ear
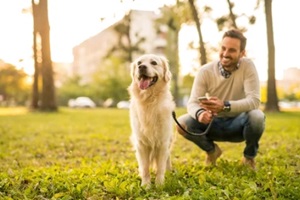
pixel 132 69
pixel 167 72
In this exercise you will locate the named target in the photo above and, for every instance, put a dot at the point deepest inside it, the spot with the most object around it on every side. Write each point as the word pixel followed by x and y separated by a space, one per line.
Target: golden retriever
pixel 151 116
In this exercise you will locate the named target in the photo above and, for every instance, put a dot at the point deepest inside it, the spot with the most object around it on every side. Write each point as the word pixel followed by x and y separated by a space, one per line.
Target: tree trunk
pixel 272 100
pixel 48 101
pixel 202 51
pixel 172 54
pixel 231 14
pixel 35 85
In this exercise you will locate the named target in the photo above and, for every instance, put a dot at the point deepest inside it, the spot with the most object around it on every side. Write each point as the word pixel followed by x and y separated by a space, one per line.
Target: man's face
pixel 230 53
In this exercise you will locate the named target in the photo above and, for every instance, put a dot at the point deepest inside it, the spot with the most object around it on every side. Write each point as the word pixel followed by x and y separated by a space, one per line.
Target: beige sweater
pixel 241 89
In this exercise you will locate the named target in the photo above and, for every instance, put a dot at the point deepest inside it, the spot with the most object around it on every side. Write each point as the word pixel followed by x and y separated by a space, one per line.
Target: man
pixel 232 106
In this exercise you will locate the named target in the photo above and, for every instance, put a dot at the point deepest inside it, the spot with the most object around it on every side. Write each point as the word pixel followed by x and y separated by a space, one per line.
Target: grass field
pixel 86 154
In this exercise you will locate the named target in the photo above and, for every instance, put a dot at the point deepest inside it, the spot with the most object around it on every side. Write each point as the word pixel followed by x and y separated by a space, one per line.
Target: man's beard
pixel 232 64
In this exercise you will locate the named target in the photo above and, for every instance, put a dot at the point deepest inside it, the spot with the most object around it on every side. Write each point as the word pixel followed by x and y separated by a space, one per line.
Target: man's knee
pixel 257 120
pixel 256 116
pixel 179 129
pixel 180 126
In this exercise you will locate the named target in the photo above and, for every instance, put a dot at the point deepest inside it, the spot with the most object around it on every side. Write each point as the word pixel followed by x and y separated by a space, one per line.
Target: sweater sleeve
pixel 242 89
pixel 251 89
pixel 199 89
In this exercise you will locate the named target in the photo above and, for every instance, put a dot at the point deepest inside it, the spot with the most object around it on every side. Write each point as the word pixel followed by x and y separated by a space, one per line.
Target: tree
pixel 272 99
pixel 112 80
pixel 36 49
pixel 125 48
pixel 13 87
pixel 113 74
pixel 202 50
pixel 174 16
pixel 172 53
pixel 229 20
pixel 225 21
pixel 42 56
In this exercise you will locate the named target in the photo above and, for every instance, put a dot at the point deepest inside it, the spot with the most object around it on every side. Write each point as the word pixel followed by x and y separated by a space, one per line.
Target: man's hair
pixel 233 33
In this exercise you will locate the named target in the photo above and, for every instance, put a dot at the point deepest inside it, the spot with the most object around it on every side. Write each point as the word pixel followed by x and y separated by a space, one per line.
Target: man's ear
pixel 243 53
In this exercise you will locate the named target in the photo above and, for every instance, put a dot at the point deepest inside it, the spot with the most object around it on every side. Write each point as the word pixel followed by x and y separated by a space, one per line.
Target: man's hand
pixel 205 117
pixel 213 104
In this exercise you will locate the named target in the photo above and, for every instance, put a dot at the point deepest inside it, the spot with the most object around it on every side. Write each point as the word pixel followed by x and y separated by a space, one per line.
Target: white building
pixel 88 56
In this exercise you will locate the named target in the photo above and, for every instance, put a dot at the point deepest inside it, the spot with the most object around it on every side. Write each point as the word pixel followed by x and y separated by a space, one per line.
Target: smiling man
pixel 232 106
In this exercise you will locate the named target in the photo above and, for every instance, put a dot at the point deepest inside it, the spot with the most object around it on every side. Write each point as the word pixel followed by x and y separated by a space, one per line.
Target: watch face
pixel 226 107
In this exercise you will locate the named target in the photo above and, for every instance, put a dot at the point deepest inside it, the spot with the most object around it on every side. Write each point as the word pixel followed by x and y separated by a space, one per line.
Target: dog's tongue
pixel 144 83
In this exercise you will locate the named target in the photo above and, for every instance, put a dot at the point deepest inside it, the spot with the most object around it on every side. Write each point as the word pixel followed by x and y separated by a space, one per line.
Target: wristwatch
pixel 227 106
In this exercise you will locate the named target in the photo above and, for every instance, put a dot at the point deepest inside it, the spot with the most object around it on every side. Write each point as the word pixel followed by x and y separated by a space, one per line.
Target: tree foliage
pixel 230 20
pixel 72 89
pixel 109 81
pixel 112 80
pixel 13 86
pixel 173 16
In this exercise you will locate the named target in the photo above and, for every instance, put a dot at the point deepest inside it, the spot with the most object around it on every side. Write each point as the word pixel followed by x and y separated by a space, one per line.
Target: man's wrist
pixel 198 113
pixel 227 106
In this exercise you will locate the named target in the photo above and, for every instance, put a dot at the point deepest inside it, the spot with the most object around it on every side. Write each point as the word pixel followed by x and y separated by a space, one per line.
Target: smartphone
pixel 202 98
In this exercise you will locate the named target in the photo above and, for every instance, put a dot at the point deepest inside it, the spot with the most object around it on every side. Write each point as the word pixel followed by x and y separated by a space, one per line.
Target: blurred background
pixel 54 51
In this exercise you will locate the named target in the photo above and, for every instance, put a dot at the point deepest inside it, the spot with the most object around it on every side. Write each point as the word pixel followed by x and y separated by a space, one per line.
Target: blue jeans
pixel 248 127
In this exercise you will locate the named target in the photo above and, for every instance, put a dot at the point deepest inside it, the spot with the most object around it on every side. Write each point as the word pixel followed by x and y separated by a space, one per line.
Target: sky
pixel 73 21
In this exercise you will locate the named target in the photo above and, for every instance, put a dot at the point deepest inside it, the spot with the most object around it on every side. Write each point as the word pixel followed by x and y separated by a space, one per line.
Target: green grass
pixel 86 154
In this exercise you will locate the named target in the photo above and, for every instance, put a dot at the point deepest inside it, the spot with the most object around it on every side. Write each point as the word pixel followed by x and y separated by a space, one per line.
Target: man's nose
pixel 225 53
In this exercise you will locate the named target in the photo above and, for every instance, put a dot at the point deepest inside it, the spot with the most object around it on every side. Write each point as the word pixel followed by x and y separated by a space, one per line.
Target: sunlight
pixel 11 111
pixel 72 22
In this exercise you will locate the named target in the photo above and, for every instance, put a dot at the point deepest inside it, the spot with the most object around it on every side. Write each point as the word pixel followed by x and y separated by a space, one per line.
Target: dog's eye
pixel 139 62
pixel 153 63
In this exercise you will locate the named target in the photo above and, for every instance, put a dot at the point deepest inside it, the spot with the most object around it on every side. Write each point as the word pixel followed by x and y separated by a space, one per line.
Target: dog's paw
pixel 146 184
pixel 159 180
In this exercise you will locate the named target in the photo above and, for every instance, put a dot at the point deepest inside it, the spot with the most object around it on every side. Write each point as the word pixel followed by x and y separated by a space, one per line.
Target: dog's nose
pixel 142 67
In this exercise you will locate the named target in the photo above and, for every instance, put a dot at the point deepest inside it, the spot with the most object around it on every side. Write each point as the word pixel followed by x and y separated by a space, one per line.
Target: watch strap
pixel 227 106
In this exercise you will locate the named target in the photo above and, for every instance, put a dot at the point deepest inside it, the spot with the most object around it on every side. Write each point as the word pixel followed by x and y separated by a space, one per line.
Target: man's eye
pixel 153 63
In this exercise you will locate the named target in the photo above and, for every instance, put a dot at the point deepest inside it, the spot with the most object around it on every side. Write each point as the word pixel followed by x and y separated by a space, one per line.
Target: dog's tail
pixel 188 132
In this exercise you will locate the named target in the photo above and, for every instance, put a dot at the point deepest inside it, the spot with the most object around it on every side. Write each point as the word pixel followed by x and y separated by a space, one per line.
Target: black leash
pixel 188 132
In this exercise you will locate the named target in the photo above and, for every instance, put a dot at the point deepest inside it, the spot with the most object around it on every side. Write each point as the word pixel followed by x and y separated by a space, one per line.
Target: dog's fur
pixel 151 115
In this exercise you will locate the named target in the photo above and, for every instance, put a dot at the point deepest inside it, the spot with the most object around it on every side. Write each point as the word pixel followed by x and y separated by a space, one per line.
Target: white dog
pixel 151 116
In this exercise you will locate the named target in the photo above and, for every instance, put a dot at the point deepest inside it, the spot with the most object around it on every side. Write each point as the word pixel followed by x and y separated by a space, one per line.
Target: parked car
pixel 81 102
pixel 123 105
